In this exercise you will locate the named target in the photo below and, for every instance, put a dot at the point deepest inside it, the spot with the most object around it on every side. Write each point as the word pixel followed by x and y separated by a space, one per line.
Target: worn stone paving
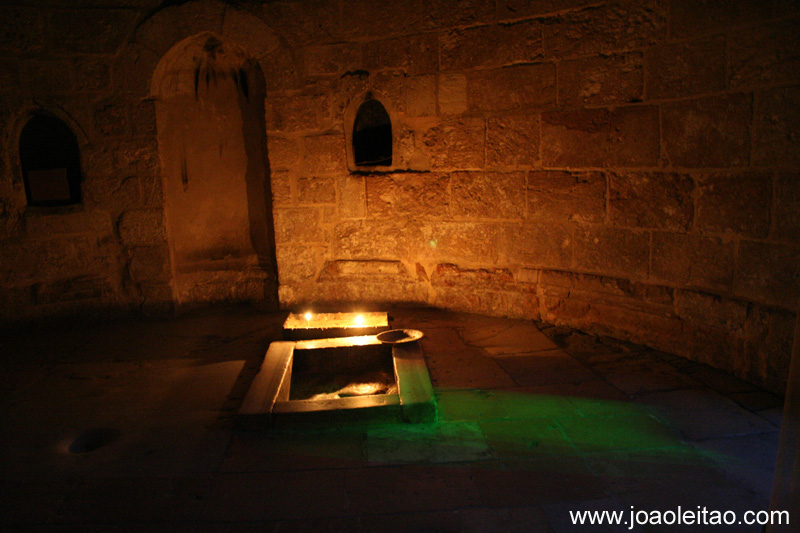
pixel 534 421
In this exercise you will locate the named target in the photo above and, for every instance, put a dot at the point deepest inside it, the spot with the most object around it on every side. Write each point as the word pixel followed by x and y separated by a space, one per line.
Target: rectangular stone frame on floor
pixel 268 396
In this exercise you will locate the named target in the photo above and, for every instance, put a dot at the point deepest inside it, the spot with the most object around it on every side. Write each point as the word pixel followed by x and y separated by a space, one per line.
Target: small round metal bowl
pixel 397 336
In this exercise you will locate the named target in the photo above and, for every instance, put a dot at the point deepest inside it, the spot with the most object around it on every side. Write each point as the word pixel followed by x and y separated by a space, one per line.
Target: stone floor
pixel 128 425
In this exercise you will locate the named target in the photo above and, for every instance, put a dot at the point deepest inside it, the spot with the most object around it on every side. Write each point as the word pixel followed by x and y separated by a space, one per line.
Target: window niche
pixel 372 135
pixel 50 162
pixel 370 146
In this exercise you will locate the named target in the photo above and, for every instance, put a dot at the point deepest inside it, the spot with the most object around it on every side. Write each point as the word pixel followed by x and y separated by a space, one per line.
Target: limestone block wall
pixel 626 167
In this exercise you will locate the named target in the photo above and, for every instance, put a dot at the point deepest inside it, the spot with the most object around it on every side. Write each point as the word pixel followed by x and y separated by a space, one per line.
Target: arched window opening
pixel 372 135
pixel 50 160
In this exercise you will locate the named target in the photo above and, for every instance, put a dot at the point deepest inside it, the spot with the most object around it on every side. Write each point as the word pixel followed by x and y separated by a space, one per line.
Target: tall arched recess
pixel 209 96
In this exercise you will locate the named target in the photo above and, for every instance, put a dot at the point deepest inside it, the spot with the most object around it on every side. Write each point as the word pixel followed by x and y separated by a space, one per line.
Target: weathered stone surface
pixel 418 54
pixel 775 139
pixel 740 203
pixel 651 200
pixel 407 195
pixel 224 286
pixel 612 251
pixel 513 9
pixel 491 46
pixel 73 290
pixel 787 207
pixel 689 18
pixel 599 288
pixel 391 85
pixel 349 86
pixel 283 154
pixel 488 290
pixel 170 25
pixel 142 227
pixel 249 31
pixel 452 94
pixel 324 154
pixel 607 28
pixel 21 29
pixel 95 31
pixel 307 21
pixel 43 260
pixel 374 271
pixel 449 275
pixel 150 263
pixel 517 87
pixel 360 292
pixel 512 141
pixel 296 111
pixel 421 96
pixel 711 310
pixel 137 158
pixel 10 225
pixel 456 144
pixel 296 263
pixel 539 245
pixel 132 70
pixel 316 190
pixel 625 136
pixel 685 69
pixel 92 74
pixel 709 132
pixel 143 120
pixel 331 59
pixel 112 194
pixel 766 55
pixel 281 70
pixel 488 195
pixel 768 272
pixel 38 76
pixel 9 76
pixel 44 225
pixel 613 79
pixel 110 119
pixel 438 13
pixel 692 261
pixel 390 17
pixel 371 239
pixel 301 224
pixel 767 350
pixel 281 187
pixel 660 331
pixel 313 72
pixel 352 199
pixel 528 276
pixel 464 243
pixel 158 297
pixel 555 196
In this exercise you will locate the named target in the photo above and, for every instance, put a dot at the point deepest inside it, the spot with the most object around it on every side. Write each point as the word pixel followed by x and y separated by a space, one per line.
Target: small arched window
pixel 372 135
pixel 50 160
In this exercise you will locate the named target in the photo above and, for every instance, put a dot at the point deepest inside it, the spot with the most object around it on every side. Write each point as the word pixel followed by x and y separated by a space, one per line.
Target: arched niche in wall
pixel 209 95
pixel 50 161
pixel 371 140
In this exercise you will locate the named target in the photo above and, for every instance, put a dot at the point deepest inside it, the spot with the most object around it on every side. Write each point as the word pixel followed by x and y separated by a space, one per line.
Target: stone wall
pixel 626 167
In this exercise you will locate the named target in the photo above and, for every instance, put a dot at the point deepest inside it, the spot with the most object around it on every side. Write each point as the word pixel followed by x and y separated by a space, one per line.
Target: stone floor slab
pixel 448 442
pixel 545 368
pixel 595 422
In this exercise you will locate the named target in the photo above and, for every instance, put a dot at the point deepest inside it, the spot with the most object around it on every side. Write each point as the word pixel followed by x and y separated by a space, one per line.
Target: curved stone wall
pixel 625 167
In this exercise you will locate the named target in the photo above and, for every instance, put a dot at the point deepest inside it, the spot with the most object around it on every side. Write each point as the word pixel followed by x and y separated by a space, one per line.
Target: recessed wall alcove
pixel 209 95
pixel 370 134
pixel 50 162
